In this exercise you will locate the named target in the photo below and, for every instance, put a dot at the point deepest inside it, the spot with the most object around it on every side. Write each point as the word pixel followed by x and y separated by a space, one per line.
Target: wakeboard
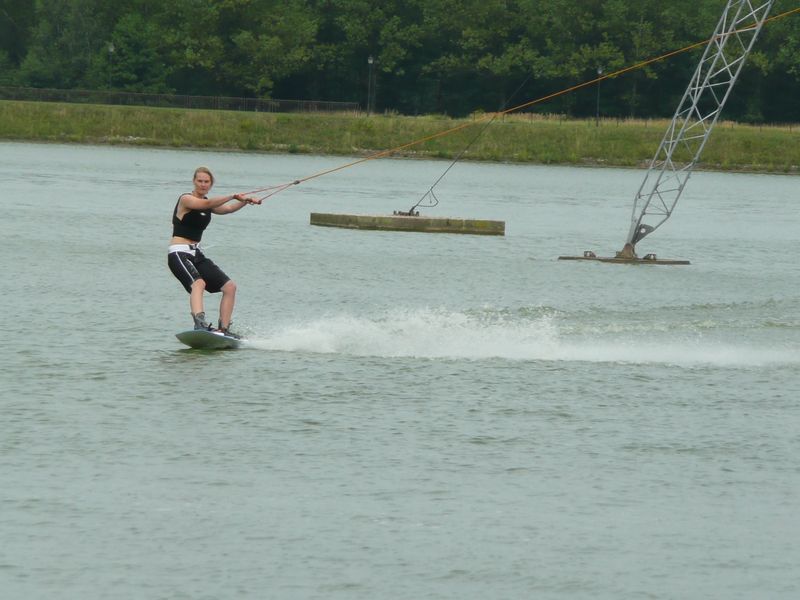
pixel 204 339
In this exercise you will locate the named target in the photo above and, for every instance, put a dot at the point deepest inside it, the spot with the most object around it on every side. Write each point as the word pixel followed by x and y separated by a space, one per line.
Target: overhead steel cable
pixel 430 192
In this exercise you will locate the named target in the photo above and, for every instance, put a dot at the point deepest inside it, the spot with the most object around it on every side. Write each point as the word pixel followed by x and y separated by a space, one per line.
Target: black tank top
pixel 192 225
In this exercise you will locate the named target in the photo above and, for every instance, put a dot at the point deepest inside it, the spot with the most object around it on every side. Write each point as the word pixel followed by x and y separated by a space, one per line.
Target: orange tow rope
pixel 272 190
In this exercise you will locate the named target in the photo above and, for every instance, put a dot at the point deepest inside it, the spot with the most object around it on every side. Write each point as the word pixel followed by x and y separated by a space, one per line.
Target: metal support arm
pixel 695 117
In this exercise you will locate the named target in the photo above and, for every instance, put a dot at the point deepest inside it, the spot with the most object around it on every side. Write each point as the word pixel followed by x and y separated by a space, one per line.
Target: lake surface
pixel 419 415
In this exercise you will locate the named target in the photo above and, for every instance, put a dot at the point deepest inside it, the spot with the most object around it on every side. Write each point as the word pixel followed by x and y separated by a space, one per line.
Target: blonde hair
pixel 205 170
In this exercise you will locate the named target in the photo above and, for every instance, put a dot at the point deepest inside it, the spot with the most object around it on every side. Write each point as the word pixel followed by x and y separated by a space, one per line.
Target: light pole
pixel 111 49
pixel 370 62
pixel 597 112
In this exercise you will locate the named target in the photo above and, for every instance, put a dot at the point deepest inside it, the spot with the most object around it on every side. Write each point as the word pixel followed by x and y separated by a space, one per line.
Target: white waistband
pixel 188 248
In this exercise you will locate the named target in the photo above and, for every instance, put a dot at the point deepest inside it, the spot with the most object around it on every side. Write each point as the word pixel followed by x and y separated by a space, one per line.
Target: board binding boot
pixel 227 331
pixel 200 322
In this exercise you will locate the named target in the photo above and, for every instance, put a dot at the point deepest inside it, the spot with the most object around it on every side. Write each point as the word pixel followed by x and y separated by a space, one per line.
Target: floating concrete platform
pixel 410 223
pixel 648 259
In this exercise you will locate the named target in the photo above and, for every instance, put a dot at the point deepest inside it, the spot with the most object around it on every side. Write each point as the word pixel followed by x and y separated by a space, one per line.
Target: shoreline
pixel 517 139
pixel 699 168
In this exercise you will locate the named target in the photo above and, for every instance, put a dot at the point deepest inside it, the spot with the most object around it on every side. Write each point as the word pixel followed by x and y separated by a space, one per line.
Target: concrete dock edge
pixel 409 223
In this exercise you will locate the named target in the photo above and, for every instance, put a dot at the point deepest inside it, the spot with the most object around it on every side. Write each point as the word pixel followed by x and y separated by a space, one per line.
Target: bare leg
pixel 196 297
pixel 227 302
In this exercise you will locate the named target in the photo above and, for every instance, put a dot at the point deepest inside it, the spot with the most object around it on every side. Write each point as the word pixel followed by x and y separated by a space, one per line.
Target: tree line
pixel 450 57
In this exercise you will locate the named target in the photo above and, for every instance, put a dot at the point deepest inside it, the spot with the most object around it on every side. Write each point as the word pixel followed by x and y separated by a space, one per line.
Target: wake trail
pixel 439 334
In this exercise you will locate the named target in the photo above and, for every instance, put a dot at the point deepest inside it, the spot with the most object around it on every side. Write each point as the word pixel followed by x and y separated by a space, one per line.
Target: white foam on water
pixel 446 334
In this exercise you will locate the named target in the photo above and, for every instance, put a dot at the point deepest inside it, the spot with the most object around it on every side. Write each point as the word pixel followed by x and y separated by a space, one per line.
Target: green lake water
pixel 418 415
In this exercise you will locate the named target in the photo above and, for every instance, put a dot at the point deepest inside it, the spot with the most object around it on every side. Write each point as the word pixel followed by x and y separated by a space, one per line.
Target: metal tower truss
pixel 698 112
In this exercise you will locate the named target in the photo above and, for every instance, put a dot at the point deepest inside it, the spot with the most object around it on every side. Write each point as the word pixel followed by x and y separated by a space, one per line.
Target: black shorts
pixel 189 268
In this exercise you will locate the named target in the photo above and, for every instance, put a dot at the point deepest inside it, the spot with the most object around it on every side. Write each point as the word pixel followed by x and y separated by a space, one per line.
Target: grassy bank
pixel 515 138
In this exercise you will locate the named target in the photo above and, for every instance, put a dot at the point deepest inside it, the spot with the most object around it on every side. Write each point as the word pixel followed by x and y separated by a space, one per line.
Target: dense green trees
pixel 431 56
